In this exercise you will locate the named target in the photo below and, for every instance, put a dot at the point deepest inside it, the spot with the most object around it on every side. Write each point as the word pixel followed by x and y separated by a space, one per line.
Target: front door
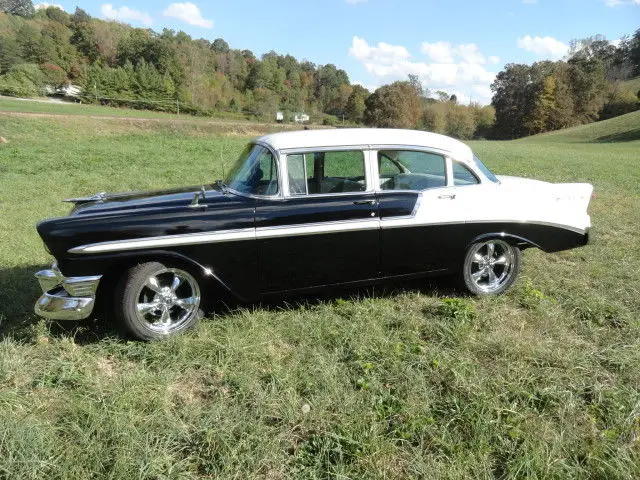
pixel 325 231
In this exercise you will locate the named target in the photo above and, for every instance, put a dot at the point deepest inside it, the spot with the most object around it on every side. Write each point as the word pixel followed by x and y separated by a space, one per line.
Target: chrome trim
pixel 166 240
pixel 81 286
pixel 59 305
pixel 285 230
pixel 65 298
pixel 49 279
pixel 318 228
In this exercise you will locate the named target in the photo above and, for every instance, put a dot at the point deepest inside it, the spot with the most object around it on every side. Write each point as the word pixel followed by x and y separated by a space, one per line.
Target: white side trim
pixel 166 241
pixel 410 222
pixel 318 228
pixel 284 231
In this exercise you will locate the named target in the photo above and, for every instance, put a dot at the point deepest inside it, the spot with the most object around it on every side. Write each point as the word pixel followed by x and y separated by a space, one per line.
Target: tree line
pixel 116 64
pixel 586 87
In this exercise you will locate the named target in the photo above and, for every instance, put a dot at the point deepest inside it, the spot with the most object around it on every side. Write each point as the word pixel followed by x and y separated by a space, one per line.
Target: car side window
pixel 415 170
pixel 462 175
pixel 326 172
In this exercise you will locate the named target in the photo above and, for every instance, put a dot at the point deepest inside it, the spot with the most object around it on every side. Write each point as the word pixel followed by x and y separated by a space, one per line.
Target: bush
pixel 330 120
pixel 433 119
pixel 23 80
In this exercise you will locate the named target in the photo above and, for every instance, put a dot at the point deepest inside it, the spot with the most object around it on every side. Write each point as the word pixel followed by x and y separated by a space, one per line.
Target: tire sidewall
pixel 126 299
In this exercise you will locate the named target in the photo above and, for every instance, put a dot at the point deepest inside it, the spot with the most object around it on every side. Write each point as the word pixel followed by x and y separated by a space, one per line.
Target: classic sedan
pixel 298 212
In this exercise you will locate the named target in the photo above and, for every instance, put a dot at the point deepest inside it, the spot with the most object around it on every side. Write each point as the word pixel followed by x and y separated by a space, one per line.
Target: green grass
pixel 624 128
pixel 632 85
pixel 542 382
pixel 8 104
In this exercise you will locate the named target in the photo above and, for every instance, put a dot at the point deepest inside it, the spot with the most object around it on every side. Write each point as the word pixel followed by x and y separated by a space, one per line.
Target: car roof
pixel 349 137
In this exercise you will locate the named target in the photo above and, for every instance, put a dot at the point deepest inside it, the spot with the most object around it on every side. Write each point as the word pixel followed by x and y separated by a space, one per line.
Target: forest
pixel 116 64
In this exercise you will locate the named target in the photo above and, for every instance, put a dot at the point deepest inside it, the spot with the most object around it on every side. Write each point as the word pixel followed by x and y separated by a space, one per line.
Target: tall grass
pixel 406 381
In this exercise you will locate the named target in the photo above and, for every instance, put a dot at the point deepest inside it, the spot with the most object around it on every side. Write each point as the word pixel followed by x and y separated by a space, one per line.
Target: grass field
pixel 410 381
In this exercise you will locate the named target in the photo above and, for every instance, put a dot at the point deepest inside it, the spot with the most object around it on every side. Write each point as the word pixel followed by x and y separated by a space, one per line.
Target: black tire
pixel 490 267
pixel 153 301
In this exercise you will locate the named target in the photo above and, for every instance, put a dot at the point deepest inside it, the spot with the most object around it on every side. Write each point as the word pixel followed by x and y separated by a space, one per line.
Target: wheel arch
pixel 517 240
pixel 211 284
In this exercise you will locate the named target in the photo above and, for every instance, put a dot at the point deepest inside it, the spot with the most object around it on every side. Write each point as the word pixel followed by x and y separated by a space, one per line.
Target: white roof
pixel 345 137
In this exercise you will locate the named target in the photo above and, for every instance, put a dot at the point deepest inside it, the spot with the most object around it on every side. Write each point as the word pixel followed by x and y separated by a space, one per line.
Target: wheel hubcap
pixel 490 265
pixel 169 298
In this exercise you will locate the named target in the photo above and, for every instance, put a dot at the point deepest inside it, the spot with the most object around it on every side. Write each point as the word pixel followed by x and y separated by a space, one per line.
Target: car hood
pixel 105 203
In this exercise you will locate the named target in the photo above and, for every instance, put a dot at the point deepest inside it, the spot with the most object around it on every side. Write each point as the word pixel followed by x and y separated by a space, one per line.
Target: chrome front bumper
pixel 66 298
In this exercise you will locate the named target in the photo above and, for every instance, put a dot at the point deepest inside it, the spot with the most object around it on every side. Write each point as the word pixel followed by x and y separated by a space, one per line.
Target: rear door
pixel 419 213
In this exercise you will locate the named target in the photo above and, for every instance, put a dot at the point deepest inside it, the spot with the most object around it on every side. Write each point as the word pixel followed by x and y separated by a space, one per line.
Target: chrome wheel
pixel 168 299
pixel 491 266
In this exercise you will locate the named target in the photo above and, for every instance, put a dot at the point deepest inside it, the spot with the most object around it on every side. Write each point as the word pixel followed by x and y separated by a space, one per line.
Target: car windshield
pixel 483 168
pixel 255 172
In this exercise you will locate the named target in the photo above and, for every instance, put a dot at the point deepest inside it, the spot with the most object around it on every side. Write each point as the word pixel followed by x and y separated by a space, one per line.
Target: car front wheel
pixel 490 267
pixel 154 301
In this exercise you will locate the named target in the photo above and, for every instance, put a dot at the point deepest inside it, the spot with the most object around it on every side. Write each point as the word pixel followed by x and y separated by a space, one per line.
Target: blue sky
pixel 455 45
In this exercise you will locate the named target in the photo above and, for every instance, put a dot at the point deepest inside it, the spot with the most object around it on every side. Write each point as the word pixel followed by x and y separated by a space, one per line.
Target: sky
pixel 454 45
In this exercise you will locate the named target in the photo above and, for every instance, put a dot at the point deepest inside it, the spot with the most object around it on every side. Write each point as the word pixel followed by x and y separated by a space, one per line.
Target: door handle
pixel 450 196
pixel 364 202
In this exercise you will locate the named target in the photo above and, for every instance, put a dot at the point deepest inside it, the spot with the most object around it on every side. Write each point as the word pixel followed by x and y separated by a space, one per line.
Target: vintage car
pixel 300 211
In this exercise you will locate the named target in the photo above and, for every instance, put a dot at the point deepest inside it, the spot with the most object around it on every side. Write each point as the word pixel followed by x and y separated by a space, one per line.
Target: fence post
pixel 178 106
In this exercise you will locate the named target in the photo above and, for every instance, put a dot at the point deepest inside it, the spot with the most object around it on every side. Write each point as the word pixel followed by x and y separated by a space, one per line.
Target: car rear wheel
pixel 154 301
pixel 491 267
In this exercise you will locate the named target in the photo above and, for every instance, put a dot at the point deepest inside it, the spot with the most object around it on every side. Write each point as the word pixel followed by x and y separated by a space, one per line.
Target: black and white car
pixel 298 212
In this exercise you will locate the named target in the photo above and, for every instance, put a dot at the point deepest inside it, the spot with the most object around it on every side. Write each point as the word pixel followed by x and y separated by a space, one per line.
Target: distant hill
pixel 624 128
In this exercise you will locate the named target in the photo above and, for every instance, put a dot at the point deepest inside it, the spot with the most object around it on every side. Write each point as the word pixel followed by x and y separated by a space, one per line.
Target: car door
pixel 326 228
pixel 419 214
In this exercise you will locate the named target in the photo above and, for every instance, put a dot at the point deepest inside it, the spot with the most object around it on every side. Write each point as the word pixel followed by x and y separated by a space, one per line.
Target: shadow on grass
pixel 19 291
pixel 627 136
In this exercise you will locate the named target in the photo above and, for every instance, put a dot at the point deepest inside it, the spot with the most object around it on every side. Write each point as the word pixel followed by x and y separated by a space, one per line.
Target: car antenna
pixel 224 176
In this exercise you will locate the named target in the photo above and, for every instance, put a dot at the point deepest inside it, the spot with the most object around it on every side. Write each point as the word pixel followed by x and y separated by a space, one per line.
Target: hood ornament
pixel 98 197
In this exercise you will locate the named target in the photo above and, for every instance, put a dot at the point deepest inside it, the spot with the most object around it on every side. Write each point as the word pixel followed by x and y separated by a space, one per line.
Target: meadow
pixel 413 380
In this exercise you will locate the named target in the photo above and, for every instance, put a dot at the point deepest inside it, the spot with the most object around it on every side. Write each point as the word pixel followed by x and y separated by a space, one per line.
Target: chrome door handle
pixel 364 202
pixel 449 196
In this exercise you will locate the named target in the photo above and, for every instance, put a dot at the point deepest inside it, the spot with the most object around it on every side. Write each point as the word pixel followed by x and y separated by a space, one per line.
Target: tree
pixel 220 46
pixel 512 99
pixel 396 106
pixel 22 8
pixel 356 103
pixel 433 118
pixel 460 122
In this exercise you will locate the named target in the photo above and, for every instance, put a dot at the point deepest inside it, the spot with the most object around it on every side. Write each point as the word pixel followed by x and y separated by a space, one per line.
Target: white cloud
pixel 456 69
pixel 384 52
pixel 47 5
pixel 188 13
pixel 440 52
pixel 124 14
pixel 494 59
pixel 444 52
pixel 614 3
pixel 543 47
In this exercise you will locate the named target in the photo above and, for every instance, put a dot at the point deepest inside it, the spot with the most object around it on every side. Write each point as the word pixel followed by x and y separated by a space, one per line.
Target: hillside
pixel 632 85
pixel 624 128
